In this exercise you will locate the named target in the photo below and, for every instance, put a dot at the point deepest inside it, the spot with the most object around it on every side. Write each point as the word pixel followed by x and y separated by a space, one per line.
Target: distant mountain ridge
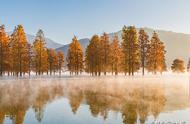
pixel 49 43
pixel 177 44
pixel 84 43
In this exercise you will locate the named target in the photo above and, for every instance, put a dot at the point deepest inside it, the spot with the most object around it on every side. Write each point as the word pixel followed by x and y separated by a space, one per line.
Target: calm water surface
pixel 104 100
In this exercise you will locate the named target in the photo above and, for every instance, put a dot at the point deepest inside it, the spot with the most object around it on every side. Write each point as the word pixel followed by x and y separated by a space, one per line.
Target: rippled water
pixel 98 100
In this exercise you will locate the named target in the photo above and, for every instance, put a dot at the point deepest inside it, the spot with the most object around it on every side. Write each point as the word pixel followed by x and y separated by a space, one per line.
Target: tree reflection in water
pixel 17 98
pixel 134 101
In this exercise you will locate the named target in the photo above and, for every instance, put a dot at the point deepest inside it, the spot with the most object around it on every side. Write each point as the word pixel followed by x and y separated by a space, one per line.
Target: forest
pixel 137 53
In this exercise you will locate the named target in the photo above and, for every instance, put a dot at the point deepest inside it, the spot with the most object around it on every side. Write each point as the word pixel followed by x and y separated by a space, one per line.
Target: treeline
pixel 103 55
pixel 18 57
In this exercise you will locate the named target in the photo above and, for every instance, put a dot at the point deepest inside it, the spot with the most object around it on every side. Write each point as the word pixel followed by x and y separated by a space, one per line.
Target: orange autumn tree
pixel 115 56
pixel 130 48
pixel 93 58
pixel 104 51
pixel 5 62
pixel 75 57
pixel 144 46
pixel 40 57
pixel 53 61
pixel 61 60
pixel 20 51
pixel 178 66
pixel 156 55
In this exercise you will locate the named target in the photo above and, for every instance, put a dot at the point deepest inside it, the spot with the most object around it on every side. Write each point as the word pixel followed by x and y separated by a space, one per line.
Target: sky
pixel 62 19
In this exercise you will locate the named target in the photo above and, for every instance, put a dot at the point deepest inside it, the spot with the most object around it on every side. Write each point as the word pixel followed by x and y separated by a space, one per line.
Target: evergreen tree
pixel 75 57
pixel 130 50
pixel 5 62
pixel 178 66
pixel 93 65
pixel 61 60
pixel 20 51
pixel 40 60
pixel 144 45
pixel 156 55
pixel 53 61
pixel 115 56
pixel 104 48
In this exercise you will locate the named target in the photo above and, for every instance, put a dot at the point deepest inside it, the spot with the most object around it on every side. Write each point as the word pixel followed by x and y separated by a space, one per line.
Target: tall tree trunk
pixel 143 63
pixel 20 63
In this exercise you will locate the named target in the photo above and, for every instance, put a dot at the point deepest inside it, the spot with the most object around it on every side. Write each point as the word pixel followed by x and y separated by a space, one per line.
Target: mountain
pixel 49 43
pixel 177 44
pixel 84 43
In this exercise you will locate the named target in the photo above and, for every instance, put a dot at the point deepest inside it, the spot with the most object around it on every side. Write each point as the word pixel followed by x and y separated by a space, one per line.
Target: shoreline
pixel 86 76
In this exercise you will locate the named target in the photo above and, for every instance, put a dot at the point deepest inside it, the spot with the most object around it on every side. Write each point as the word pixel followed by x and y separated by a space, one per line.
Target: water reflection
pixel 131 101
pixel 17 98
pixel 134 101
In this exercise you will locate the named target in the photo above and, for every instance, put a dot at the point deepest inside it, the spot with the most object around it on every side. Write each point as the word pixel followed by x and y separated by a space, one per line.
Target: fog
pixel 137 97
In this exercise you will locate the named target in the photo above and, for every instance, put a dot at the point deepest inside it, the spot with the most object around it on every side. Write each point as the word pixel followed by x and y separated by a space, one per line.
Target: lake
pixel 95 100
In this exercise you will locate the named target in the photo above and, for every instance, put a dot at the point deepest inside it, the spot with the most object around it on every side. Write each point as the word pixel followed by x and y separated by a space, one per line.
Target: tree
pixel 143 45
pixel 104 48
pixel 40 54
pixel 130 49
pixel 61 60
pixel 156 55
pixel 30 52
pixel 75 57
pixel 178 66
pixel 53 60
pixel 188 66
pixel 115 56
pixel 20 51
pixel 93 65
pixel 5 63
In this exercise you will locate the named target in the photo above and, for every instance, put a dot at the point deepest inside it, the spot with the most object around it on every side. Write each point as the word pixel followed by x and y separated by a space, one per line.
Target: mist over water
pixel 95 100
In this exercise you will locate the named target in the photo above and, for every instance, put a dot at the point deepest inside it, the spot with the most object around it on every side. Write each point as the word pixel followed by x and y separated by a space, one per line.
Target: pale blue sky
pixel 61 19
